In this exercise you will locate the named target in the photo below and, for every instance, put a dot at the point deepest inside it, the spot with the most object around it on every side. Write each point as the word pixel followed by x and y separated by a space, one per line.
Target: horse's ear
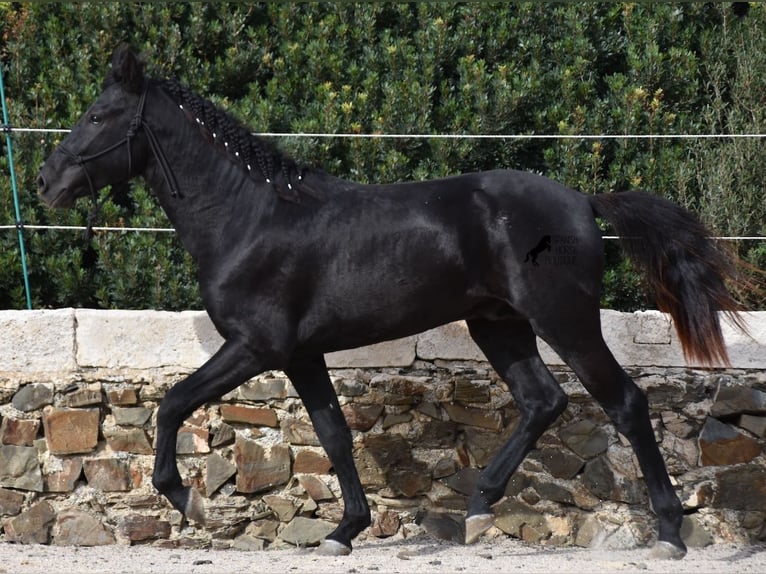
pixel 128 69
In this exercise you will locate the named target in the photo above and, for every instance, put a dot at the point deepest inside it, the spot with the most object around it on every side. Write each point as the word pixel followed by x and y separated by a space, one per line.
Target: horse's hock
pixel 79 391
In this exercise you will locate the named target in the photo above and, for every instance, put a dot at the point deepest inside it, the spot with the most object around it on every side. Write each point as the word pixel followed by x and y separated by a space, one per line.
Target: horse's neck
pixel 213 190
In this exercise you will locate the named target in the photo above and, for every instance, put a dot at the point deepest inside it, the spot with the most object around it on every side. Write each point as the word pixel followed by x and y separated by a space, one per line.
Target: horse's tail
pixel 685 270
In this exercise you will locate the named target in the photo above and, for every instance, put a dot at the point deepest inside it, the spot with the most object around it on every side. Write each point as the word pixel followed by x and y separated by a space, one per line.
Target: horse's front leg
pixel 231 366
pixel 310 379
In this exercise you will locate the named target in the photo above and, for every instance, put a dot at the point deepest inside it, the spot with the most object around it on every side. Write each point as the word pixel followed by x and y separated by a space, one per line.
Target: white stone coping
pixel 65 340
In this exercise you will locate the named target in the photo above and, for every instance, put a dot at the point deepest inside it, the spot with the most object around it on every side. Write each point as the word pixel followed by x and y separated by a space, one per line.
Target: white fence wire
pixel 462 136
pixel 394 136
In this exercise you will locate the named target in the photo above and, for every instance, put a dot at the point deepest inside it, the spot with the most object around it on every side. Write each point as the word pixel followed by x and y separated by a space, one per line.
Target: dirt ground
pixel 421 554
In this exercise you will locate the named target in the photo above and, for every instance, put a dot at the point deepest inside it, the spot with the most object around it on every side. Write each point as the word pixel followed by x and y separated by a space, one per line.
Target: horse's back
pixel 393 260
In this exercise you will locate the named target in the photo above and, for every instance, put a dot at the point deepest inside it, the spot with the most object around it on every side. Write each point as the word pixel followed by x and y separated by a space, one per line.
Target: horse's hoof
pixel 195 507
pixel 332 548
pixel 477 525
pixel 666 551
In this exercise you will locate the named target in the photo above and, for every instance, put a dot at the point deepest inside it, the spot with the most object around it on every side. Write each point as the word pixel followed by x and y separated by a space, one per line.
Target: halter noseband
pixel 136 124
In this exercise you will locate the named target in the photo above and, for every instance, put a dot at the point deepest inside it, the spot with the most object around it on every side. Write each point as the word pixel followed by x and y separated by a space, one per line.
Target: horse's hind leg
pixel 310 379
pixel 511 349
pixel 580 344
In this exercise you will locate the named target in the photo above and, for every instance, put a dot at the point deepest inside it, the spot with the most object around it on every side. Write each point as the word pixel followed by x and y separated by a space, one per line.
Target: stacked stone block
pixel 79 392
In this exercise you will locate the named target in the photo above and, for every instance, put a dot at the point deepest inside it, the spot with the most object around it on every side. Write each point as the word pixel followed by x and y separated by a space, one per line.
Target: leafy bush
pixel 428 68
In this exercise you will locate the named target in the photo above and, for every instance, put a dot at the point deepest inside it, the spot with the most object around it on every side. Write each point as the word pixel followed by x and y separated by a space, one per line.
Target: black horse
pixel 294 263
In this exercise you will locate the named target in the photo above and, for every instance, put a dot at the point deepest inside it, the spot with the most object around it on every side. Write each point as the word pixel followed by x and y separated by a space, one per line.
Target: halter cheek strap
pixel 138 122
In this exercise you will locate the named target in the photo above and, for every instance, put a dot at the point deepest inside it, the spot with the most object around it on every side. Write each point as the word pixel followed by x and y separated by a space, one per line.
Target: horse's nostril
pixel 41 183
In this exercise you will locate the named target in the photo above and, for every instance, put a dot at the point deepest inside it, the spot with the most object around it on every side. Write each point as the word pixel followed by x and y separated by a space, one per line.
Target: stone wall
pixel 79 391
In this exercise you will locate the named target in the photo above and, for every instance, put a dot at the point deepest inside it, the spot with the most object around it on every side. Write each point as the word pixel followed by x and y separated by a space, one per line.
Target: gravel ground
pixel 422 554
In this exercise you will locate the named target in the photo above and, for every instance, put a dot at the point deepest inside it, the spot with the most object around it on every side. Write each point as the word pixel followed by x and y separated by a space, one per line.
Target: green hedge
pixel 492 68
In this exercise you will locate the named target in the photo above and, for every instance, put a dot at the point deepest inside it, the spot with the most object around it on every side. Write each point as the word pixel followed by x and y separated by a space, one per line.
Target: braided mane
pixel 262 159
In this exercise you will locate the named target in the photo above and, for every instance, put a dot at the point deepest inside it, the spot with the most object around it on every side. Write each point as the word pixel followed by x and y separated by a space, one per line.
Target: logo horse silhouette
pixel 543 245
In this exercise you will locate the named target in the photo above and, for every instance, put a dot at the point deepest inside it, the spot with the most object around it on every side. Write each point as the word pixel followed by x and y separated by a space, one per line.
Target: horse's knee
pixel 173 410
pixel 172 404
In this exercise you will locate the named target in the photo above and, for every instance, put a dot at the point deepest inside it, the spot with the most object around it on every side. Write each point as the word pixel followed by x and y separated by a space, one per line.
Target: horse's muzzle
pixel 54 198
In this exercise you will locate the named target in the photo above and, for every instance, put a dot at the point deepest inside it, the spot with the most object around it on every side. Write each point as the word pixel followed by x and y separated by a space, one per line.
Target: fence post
pixel 19 223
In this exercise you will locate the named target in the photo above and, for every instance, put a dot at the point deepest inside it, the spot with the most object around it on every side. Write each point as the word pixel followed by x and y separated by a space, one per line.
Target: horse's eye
pixel 95 119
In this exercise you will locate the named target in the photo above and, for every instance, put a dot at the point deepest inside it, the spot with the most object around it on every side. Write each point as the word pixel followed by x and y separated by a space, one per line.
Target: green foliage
pixel 426 67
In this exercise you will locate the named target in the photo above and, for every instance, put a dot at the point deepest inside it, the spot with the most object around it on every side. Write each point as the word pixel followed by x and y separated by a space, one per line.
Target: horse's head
pixel 106 146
